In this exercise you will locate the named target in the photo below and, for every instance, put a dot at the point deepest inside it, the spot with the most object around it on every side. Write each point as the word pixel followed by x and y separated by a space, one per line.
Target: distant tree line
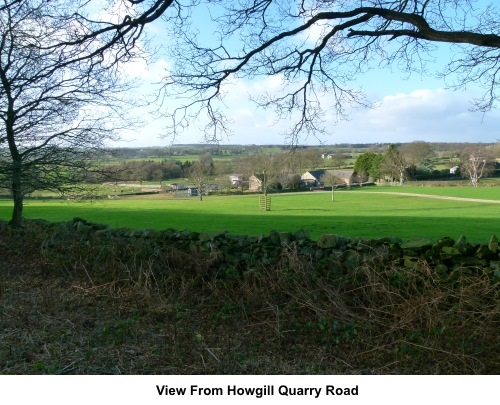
pixel 195 149
pixel 282 169
pixel 166 169
pixel 415 161
pixel 149 170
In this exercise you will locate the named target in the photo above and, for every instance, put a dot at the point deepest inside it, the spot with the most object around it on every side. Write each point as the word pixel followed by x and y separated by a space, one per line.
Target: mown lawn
pixel 352 214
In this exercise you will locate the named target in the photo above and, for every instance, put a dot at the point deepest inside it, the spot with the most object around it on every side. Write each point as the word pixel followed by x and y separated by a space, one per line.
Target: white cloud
pixel 429 115
pixel 315 33
pixel 147 72
pixel 434 115
pixel 240 90
pixel 113 12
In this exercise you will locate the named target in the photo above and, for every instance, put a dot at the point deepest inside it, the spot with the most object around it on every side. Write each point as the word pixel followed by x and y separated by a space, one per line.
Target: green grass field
pixel 354 214
pixel 181 158
pixel 486 193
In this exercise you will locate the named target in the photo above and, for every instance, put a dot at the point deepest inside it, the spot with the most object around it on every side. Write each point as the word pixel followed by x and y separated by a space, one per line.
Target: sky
pixel 407 109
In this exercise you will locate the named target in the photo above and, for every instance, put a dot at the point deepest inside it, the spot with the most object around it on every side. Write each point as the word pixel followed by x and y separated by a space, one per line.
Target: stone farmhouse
pixel 312 178
pixel 255 183
pixel 309 179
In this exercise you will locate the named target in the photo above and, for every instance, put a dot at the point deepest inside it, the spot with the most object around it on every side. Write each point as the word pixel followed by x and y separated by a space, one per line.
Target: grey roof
pixel 317 174
pixel 343 174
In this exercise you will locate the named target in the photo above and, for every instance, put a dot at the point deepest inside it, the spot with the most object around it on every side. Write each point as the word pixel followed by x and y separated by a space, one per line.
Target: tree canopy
pixel 369 164
pixel 59 101
pixel 319 48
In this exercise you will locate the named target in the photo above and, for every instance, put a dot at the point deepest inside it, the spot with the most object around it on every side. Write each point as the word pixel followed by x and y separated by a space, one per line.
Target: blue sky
pixel 407 109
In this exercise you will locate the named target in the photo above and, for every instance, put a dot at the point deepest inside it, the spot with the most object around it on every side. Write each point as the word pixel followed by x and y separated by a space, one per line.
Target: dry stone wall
pixel 447 258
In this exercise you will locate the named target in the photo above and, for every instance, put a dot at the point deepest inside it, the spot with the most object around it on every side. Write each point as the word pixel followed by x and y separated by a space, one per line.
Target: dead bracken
pixel 77 299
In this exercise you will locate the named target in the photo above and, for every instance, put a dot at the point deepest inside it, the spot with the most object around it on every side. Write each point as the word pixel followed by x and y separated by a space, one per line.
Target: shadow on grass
pixel 404 226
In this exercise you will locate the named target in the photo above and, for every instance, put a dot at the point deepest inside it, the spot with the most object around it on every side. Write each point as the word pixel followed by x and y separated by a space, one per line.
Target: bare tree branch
pixel 318 48
pixel 57 109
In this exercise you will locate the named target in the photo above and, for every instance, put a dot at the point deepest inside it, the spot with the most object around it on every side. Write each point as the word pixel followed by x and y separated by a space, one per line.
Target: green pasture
pixel 482 193
pixel 190 158
pixel 181 158
pixel 354 214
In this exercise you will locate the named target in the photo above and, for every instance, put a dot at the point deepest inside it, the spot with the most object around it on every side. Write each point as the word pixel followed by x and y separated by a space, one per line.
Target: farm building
pixel 193 191
pixel 312 178
pixel 346 175
pixel 255 182
pixel 176 186
pixel 236 179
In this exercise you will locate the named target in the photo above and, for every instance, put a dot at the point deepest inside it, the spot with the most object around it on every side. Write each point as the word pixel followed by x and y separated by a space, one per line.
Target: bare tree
pixel 331 180
pixel 395 164
pixel 496 151
pixel 298 160
pixel 244 166
pixel 476 163
pixel 57 109
pixel 338 159
pixel 269 167
pixel 416 153
pixel 319 47
pixel 199 174
pixel 207 161
pixel 110 30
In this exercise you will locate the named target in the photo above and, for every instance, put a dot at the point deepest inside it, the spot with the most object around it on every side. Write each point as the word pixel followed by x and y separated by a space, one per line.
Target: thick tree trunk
pixel 17 163
pixel 18 198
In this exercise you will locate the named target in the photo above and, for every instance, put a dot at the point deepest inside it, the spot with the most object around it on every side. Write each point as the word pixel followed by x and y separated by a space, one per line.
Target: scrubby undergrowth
pixel 84 301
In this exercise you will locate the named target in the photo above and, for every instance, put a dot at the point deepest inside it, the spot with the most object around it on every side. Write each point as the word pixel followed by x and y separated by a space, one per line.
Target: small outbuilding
pixel 236 179
pixel 255 183
pixel 177 186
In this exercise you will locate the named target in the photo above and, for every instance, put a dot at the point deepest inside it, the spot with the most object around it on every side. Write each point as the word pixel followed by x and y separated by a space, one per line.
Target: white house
pixel 236 179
